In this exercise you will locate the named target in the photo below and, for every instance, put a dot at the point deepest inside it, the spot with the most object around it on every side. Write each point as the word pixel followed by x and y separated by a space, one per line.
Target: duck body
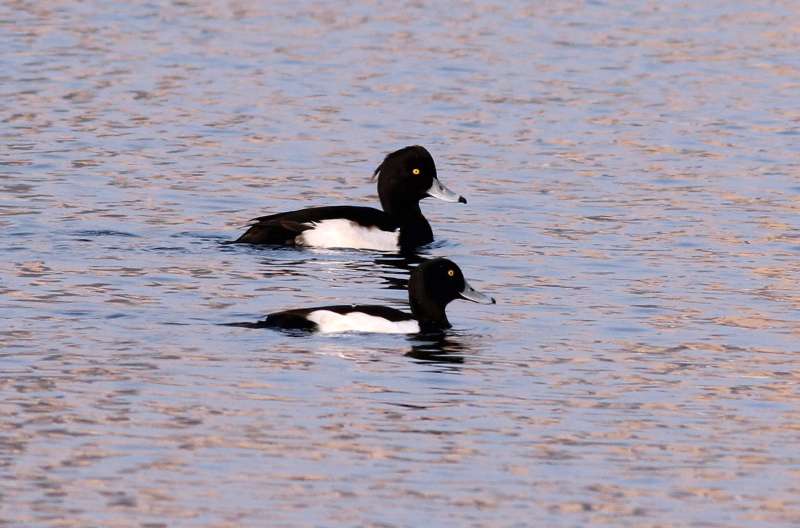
pixel 432 285
pixel 345 318
pixel 404 178
pixel 341 226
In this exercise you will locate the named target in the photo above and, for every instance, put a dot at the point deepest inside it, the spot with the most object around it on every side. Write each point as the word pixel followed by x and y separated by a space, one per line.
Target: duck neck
pixel 414 227
pixel 428 312
pixel 400 207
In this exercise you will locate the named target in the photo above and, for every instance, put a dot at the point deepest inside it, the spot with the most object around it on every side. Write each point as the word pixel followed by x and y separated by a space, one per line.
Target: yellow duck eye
pixel 451 273
pixel 415 172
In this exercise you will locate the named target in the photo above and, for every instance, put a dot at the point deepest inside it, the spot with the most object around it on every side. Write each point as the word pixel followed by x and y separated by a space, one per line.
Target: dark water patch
pixel 96 233
pixel 168 249
pixel 206 237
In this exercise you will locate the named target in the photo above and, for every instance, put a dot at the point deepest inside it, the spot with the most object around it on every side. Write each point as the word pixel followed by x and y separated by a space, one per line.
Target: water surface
pixel 632 174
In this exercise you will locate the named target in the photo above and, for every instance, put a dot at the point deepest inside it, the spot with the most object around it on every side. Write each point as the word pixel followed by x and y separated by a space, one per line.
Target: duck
pixel 405 177
pixel 431 287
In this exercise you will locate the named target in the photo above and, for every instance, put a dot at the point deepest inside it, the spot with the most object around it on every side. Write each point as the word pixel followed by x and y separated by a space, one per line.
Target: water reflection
pixel 439 347
pixel 404 262
pixel 391 269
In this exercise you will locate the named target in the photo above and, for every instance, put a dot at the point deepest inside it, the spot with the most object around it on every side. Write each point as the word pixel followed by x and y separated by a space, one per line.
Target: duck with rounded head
pixel 432 286
pixel 405 177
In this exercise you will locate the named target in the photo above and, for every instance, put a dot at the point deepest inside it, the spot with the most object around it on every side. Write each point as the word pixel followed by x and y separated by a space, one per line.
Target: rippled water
pixel 633 173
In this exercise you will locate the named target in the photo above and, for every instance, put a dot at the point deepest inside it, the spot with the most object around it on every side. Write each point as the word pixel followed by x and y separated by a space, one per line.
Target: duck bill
pixel 441 192
pixel 471 294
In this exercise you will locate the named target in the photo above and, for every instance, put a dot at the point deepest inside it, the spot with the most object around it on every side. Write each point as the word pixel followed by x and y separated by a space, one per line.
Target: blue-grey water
pixel 633 176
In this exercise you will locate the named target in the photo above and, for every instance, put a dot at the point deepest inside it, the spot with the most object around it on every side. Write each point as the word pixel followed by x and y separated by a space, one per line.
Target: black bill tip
pixel 461 199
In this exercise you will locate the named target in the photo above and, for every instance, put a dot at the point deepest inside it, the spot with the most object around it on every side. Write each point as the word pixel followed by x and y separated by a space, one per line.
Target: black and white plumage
pixel 433 284
pixel 405 177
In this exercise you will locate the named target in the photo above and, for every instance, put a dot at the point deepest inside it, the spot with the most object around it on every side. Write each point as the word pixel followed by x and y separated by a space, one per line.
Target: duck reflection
pixel 438 347
pixel 390 263
pixel 392 269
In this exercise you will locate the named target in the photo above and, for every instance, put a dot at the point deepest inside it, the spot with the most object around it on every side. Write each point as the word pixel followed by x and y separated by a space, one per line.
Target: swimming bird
pixel 433 284
pixel 405 177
